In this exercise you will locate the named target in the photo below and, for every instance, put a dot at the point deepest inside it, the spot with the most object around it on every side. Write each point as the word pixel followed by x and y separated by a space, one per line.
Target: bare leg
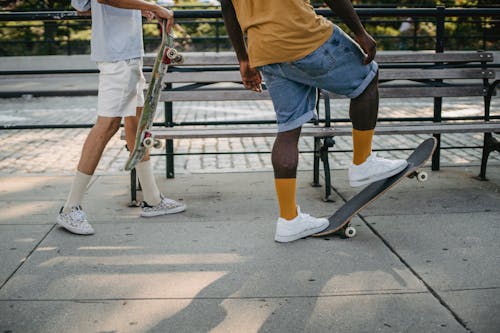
pixel 285 154
pixel 144 169
pixel 363 109
pixel 98 138
pixel 363 112
pixel 285 158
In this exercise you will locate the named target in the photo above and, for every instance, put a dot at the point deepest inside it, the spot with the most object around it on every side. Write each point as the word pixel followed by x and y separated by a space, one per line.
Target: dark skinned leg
pixel 285 158
pixel 285 154
pixel 363 109
pixel 363 112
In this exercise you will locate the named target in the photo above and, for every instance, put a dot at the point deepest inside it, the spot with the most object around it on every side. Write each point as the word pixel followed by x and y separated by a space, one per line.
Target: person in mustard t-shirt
pixel 299 51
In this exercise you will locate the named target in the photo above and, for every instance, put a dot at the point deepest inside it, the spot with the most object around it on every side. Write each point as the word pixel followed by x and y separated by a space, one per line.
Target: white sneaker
pixel 302 226
pixel 166 206
pixel 75 221
pixel 373 169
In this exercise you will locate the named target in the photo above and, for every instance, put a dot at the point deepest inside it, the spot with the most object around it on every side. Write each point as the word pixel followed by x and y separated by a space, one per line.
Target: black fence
pixel 46 33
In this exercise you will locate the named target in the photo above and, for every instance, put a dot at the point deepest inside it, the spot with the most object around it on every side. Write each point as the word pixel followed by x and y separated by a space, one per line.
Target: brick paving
pixel 56 151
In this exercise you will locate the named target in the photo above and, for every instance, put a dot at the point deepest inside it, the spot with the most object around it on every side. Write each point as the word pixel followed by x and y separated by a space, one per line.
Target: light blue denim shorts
pixel 336 66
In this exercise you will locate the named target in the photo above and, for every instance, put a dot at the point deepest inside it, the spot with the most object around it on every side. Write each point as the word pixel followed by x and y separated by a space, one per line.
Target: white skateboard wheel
pixel 172 54
pixel 158 144
pixel 179 59
pixel 422 176
pixel 350 232
pixel 148 142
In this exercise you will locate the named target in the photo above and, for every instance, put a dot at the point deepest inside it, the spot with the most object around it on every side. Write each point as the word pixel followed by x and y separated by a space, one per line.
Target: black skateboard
pixel 340 221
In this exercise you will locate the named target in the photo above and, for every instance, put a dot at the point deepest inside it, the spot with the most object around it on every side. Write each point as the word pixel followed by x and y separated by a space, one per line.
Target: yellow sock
pixel 361 145
pixel 285 190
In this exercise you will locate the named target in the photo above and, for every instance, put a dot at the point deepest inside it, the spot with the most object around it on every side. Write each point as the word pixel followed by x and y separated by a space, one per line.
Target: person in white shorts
pixel 117 47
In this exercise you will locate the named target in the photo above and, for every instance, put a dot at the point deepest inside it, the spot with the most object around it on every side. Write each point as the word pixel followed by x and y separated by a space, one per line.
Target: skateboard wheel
pixel 422 176
pixel 179 59
pixel 158 144
pixel 148 142
pixel 350 232
pixel 172 54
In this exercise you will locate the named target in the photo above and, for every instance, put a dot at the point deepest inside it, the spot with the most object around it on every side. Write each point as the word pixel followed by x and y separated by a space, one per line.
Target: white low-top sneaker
pixel 373 169
pixel 301 226
pixel 75 221
pixel 166 206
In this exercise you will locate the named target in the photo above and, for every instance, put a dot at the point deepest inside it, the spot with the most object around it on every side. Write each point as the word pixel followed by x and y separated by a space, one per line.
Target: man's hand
pixel 368 44
pixel 160 12
pixel 163 13
pixel 149 15
pixel 250 76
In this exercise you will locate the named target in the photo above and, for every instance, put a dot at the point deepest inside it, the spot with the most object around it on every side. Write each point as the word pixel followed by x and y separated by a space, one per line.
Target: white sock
pixel 150 190
pixel 78 189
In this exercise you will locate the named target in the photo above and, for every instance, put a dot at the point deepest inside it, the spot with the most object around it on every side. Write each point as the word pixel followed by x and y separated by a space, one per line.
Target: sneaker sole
pixel 168 212
pixel 305 233
pixel 379 177
pixel 75 230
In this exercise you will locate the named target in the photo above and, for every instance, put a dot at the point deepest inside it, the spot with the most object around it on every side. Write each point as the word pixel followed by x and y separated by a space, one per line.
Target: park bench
pixel 216 77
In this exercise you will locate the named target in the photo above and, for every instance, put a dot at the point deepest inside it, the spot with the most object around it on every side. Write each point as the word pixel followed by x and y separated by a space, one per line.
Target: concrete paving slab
pixel 209 197
pixel 34 188
pixel 449 251
pixel 374 313
pixel 29 212
pixel 450 190
pixel 199 260
pixel 480 309
pixel 16 243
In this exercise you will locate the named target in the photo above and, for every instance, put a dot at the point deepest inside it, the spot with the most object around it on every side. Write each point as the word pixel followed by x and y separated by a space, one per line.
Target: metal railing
pixel 388 20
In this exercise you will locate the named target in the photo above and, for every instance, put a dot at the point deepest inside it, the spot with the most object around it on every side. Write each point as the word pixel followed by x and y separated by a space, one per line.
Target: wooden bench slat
pixel 385 92
pixel 385 74
pixel 212 95
pixel 229 58
pixel 318 131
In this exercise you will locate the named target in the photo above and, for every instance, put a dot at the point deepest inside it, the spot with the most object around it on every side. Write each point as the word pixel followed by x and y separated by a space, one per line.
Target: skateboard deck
pixel 340 221
pixel 144 139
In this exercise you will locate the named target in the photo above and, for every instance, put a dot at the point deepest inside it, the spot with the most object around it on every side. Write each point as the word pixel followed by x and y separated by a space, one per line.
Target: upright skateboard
pixel 340 221
pixel 144 139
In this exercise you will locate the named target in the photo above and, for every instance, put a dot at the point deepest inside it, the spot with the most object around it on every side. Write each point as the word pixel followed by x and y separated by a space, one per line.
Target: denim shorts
pixel 336 66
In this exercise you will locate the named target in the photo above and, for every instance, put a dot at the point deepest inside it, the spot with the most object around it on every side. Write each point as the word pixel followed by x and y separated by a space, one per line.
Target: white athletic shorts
pixel 121 88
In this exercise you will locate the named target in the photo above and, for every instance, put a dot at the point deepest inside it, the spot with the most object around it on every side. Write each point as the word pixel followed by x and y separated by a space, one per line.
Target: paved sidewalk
pixel 426 259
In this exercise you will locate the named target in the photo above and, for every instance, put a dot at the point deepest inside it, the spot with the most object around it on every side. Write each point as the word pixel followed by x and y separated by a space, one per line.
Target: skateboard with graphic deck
pixel 144 138
pixel 340 222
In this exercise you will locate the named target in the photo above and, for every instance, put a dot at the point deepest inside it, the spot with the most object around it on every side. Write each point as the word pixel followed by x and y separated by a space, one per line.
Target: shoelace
pixel 80 214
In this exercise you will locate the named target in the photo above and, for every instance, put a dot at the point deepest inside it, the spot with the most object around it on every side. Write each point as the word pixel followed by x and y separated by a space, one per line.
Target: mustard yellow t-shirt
pixel 280 30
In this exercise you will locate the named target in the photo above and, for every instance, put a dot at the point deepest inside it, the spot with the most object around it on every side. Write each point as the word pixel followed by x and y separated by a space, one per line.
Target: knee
pixel 108 125
pixel 114 126
pixel 371 91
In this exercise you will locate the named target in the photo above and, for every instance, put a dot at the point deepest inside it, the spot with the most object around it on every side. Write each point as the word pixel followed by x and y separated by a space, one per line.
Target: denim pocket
pixel 317 63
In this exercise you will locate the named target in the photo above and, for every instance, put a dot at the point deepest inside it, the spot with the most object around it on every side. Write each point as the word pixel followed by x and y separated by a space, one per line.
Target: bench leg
pixel 327 143
pixel 169 148
pixel 490 144
pixel 436 157
pixel 317 156
pixel 133 189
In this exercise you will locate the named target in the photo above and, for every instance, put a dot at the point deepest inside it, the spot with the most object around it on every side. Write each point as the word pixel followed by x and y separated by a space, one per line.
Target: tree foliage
pixel 25 38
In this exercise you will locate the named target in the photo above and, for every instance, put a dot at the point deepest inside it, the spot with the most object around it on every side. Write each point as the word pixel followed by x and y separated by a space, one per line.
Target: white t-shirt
pixel 116 32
